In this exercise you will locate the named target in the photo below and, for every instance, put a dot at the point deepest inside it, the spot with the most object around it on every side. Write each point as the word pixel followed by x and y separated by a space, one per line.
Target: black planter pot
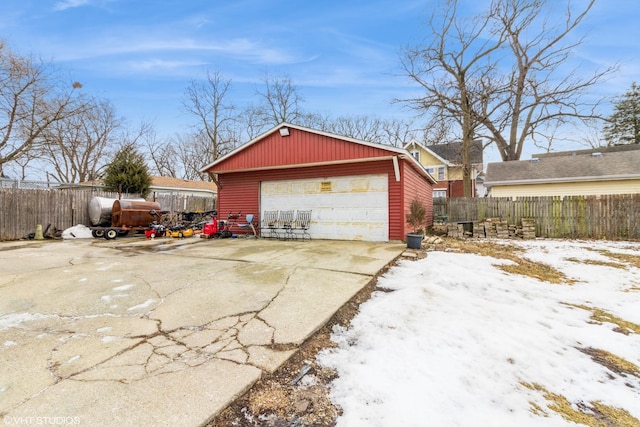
pixel 414 241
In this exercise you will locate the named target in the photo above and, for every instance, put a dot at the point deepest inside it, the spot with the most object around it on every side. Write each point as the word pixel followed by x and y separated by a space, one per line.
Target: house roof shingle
pixel 563 168
pixel 452 151
pixel 169 182
pixel 612 149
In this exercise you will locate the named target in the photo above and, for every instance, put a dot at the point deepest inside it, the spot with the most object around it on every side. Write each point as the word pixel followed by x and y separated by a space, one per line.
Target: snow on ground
pixel 77 232
pixel 456 339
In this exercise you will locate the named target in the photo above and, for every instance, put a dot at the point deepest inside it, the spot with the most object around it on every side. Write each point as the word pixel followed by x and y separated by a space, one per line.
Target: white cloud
pixel 68 4
pixel 170 49
pixel 159 64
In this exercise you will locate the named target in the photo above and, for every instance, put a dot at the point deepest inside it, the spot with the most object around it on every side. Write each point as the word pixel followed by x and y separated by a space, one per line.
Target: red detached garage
pixel 356 190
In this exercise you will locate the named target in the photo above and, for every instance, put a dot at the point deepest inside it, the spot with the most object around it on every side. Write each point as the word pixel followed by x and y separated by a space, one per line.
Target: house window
pixel 416 155
pixel 439 193
pixel 440 174
pixel 430 170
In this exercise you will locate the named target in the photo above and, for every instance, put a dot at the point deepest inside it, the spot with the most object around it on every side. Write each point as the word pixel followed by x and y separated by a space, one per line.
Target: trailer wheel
pixel 110 234
pixel 97 233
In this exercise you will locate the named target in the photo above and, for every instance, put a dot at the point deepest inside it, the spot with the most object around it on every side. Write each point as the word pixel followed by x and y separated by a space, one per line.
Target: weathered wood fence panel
pixel 614 217
pixel 21 210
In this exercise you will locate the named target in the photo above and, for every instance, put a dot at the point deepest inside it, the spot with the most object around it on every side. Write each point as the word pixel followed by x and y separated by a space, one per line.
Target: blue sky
pixel 343 55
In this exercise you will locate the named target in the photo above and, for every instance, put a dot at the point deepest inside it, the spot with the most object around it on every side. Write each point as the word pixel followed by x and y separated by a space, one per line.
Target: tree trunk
pixel 467 137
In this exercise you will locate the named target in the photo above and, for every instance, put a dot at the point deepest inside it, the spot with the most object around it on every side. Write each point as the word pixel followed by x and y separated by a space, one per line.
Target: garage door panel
pixel 343 208
pixel 354 215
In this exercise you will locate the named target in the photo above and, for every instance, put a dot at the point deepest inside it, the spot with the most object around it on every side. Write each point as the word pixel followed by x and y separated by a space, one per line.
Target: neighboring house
pixel 356 190
pixel 606 170
pixel 169 185
pixel 444 163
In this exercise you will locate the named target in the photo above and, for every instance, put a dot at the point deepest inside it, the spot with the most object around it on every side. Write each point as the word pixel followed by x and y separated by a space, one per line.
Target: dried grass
pixel 522 267
pixel 612 362
pixel 633 260
pixel 601 316
pixel 593 414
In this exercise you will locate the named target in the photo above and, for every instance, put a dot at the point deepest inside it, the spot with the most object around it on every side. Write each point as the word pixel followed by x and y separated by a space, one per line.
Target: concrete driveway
pixel 161 332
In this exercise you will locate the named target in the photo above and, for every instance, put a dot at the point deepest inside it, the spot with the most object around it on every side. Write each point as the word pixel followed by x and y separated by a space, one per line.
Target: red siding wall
pixel 300 147
pixel 240 191
pixel 415 186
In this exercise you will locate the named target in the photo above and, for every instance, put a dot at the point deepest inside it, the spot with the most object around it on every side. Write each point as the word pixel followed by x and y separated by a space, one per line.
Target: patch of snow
pixel 73 359
pixel 64 339
pixel 10 343
pixel 108 338
pixel 12 320
pixel 145 304
pixel 458 338
pixel 108 298
pixel 107 266
pixel 123 288
pixel 79 231
pixel 307 381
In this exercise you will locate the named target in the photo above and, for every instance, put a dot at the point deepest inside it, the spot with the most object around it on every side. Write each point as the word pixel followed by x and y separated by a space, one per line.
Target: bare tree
pixel 452 70
pixel 76 146
pixel 393 132
pixel 502 75
pixel 360 127
pixel 162 156
pixel 136 136
pixel 398 133
pixel 436 131
pixel 207 100
pixel 180 156
pixel 253 122
pixel 592 138
pixel 31 100
pixel 281 100
pixel 23 164
pixel 190 153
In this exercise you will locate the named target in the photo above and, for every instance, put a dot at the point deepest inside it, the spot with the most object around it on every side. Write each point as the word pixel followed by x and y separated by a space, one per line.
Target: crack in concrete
pixel 286 282
pixel 157 339
pixel 12 281
pixel 171 351
pixel 148 285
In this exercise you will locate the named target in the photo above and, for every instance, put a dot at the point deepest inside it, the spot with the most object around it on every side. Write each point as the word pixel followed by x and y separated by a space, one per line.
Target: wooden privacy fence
pixel 613 217
pixel 21 210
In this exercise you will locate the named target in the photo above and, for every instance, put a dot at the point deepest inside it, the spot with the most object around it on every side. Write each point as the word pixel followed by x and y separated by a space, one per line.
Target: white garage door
pixel 343 208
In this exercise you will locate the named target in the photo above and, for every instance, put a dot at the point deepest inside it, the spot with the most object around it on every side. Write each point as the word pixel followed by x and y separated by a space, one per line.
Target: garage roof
pixel 288 145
